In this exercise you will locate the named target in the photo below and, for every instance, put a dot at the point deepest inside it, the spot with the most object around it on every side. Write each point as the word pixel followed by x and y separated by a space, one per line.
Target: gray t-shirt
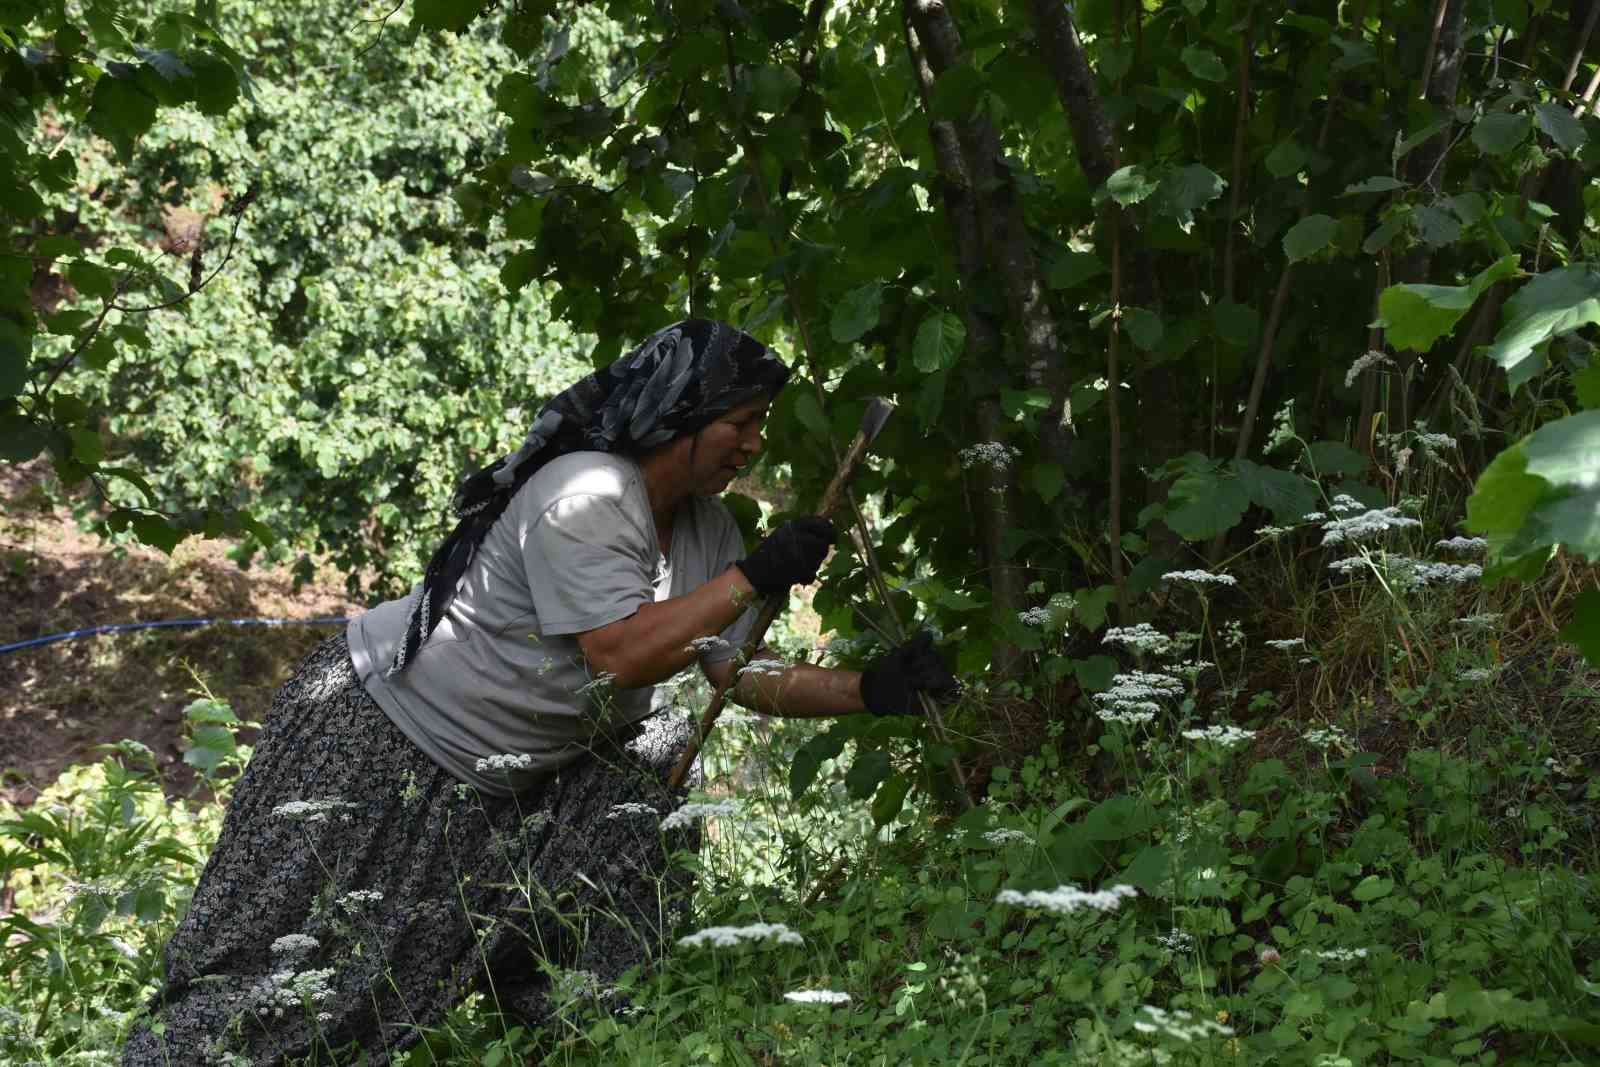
pixel 575 549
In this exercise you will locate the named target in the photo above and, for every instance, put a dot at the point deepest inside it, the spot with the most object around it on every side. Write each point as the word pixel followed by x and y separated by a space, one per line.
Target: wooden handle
pixel 771 606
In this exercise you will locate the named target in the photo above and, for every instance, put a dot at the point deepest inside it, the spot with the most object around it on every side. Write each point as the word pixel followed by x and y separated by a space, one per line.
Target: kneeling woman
pixel 448 796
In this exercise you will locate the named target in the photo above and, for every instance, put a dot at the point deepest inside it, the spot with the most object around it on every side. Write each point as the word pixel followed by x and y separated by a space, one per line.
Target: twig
pixel 1583 44
pixel 1433 46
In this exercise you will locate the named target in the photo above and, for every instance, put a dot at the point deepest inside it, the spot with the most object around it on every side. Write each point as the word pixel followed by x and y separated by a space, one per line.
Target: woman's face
pixel 722 449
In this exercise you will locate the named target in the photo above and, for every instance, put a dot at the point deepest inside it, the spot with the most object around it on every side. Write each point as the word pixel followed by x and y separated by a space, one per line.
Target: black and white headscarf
pixel 683 378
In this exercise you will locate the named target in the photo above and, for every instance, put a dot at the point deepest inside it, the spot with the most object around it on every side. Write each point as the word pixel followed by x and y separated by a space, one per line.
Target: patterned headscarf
pixel 683 378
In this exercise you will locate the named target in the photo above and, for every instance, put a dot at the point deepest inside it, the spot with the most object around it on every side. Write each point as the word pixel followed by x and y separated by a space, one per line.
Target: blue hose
pixel 117 627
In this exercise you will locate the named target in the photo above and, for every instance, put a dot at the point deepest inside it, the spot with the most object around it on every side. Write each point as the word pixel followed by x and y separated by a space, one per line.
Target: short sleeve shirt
pixel 503 673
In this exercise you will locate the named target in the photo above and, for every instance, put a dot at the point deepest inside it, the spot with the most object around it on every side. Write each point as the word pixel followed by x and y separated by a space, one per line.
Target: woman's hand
pixel 790 555
pixel 889 686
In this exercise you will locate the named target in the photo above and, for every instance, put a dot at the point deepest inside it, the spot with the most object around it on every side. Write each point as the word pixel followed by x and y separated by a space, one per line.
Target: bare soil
pixel 59 701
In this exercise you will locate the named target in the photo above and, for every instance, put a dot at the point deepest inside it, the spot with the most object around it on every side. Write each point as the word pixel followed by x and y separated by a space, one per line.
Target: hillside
pixel 58 701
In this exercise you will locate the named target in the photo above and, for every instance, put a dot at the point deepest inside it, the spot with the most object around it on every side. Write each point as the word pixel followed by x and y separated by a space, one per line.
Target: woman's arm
pixel 801 691
pixel 652 644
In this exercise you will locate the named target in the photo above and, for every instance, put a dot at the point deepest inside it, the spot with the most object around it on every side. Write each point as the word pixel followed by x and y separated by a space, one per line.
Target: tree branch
pixel 1062 51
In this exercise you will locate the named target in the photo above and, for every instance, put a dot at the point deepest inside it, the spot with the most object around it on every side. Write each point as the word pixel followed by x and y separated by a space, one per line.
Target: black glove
pixel 889 685
pixel 790 555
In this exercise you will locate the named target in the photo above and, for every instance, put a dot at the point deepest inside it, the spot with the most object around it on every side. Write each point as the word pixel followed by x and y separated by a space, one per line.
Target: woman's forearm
pixel 653 643
pixel 801 691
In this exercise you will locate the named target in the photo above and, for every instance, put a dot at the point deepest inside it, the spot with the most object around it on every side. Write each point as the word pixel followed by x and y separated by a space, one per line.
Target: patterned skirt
pixel 358 891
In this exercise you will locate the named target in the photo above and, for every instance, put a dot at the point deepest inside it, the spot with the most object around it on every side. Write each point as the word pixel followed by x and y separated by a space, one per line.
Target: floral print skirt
pixel 358 891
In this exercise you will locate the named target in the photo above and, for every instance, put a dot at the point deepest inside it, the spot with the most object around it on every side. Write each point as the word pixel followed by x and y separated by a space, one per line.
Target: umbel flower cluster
pixel 1066 899
pixel 730 936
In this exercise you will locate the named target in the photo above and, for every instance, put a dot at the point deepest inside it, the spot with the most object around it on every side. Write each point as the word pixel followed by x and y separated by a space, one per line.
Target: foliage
pixel 353 358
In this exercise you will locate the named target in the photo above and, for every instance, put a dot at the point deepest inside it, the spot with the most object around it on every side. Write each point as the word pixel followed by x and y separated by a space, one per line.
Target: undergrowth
pixel 1244 863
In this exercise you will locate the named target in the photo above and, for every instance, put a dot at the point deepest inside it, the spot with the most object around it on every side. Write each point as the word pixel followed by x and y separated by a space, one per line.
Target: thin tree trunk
pixel 1237 178
pixel 1061 49
pixel 1004 231
pixel 997 497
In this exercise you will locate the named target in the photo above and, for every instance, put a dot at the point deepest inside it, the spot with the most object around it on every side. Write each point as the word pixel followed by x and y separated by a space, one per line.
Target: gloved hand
pixel 890 683
pixel 790 555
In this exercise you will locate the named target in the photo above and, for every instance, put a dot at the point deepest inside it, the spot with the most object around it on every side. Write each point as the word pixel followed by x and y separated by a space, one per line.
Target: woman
pixel 462 791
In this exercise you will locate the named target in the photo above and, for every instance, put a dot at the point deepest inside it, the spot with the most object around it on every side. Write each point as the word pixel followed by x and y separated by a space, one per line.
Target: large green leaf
pixel 1499 132
pixel 1184 190
pixel 857 313
pixel 1551 304
pixel 1309 236
pixel 1566 453
pixel 1415 316
pixel 1560 126
pixel 1202 505
pixel 1126 186
pixel 1204 64
pixel 121 111
pixel 1286 494
pixel 939 341
pixel 1584 629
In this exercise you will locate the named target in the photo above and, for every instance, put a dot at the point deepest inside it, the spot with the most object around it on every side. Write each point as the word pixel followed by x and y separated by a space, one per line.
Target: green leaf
pixel 1286 159
pixel 1309 236
pixel 120 112
pixel 809 758
pixel 216 86
pixel 809 412
pixel 518 271
pixel 857 313
pixel 1114 60
pixel 1286 494
pixel 773 88
pixel 91 279
pixel 452 15
pixel 1566 453
pixel 955 94
pixel 1202 505
pixel 156 531
pixel 1204 64
pixel 1381 183
pixel 1403 148
pixel 1144 327
pixel 1184 190
pixel 1553 303
pixel 1047 480
pixel 1435 227
pixel 1499 132
pixel 1583 631
pixel 891 797
pixel 1415 316
pixel 1019 402
pixel 1335 457
pixel 1073 268
pixel 939 342
pixel 1126 186
pixel 1586 383
pixel 868 769
pixel 1238 325
pixel 20 437
pixel 1560 126
pixel 1372 887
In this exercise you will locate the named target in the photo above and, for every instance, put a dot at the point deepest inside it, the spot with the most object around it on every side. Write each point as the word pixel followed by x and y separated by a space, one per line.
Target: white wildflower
pixel 1226 736
pixel 506 761
pixel 689 814
pixel 357 899
pixel 1141 637
pixel 1129 714
pixel 1233 633
pixel 1349 564
pixel 123 949
pixel 1365 526
pixel 1462 544
pixel 1065 899
pixel 1175 941
pixel 1482 621
pixel 1313 516
pixel 1344 503
pixel 729 936
pixel 1423 573
pixel 1328 737
pixel 1284 644
pixel 1007 837
pixel 310 810
pixel 1435 442
pixel 817 996
pixel 567 986
pixel 765 668
pixel 1364 363
pixel 1191 668
pixel 295 945
pixel 702 645
pixel 1475 675
pixel 630 807
pixel 599 684
pixel 1178 1024
pixel 1200 578
pixel 1343 955
pixel 1282 427
pixel 1034 617
pixel 989 453
pixel 291 989
pixel 1273 532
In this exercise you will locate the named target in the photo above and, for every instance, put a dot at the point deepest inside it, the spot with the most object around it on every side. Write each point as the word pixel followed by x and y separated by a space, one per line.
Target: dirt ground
pixel 59 701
